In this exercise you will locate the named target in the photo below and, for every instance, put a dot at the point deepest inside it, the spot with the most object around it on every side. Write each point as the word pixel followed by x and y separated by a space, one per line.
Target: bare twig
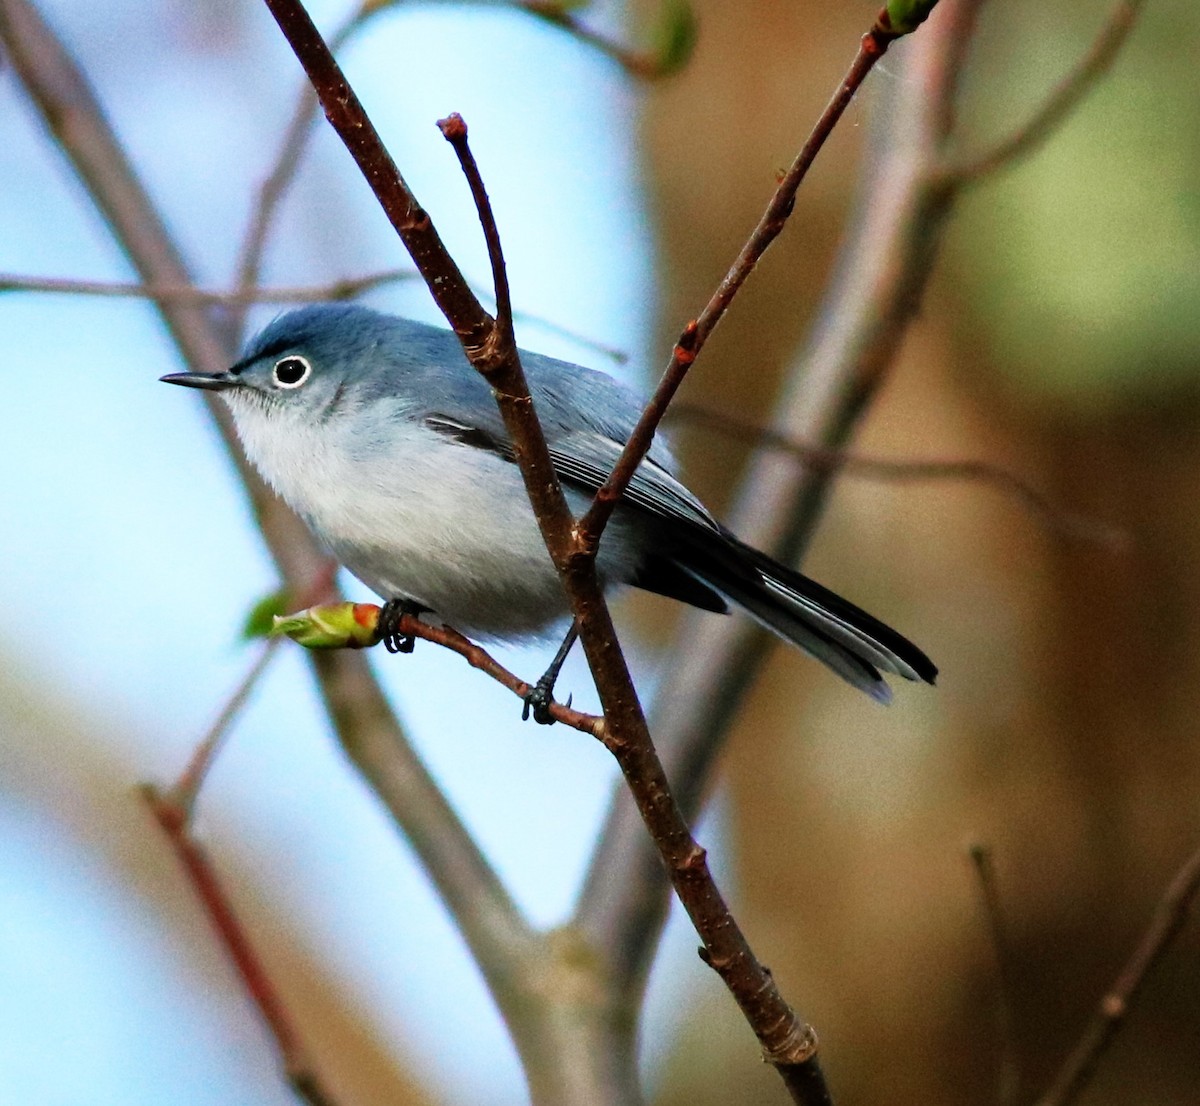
pixel 298 1067
pixel 356 626
pixel 184 791
pixel 691 341
pixel 1063 100
pixel 843 462
pixel 1008 1079
pixel 454 130
pixel 1114 1007
pixel 284 169
pixel 190 295
pixel 345 289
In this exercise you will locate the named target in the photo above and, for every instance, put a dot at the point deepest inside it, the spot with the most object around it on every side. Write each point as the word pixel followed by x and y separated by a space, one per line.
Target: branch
pixel 839 462
pixel 880 276
pixel 356 626
pixel 677 37
pixel 366 726
pixel 691 341
pixel 191 296
pixel 1063 100
pixel 1008 1080
pixel 297 1065
pixel 183 793
pixel 1110 1015
pixel 345 289
pixel 788 1043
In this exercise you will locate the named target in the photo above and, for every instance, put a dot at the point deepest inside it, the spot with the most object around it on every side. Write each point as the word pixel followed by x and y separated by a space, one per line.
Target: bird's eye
pixel 291 372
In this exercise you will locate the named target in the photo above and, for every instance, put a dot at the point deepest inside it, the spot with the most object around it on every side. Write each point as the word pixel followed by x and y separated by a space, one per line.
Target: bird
pixel 378 432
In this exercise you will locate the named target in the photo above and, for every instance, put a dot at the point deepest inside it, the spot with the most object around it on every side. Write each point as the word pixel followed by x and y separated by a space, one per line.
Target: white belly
pixel 433 520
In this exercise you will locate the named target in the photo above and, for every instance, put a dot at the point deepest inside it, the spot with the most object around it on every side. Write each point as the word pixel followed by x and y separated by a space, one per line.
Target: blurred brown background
pixel 1059 340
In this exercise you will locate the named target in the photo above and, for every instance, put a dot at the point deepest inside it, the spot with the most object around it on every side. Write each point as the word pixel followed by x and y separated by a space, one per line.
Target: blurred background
pixel 1058 339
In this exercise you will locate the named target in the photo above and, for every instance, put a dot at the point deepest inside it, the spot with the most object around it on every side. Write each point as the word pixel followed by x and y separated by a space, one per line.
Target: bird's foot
pixel 539 699
pixel 390 615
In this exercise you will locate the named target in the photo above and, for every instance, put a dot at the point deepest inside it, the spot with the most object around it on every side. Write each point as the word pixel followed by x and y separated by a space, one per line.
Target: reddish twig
pixel 880 275
pixel 183 792
pixel 872 47
pixel 843 462
pixel 454 131
pixel 1065 97
pixel 1008 1079
pixel 297 1065
pixel 1114 1007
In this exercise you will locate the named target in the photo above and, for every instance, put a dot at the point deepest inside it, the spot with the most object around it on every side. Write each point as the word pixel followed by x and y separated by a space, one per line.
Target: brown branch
pixel 356 626
pixel 837 462
pixel 1114 1007
pixel 284 169
pixel 344 289
pixel 190 295
pixel 454 130
pixel 298 1067
pixel 1008 1079
pixel 880 276
pixel 1063 100
pixel 788 1042
pixel 367 728
pixel 691 341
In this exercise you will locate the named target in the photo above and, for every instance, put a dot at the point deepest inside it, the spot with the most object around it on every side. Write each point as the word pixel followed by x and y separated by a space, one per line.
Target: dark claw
pixel 538 703
pixel 389 625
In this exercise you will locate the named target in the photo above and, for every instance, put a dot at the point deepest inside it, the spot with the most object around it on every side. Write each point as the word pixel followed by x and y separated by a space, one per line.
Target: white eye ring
pixel 291 371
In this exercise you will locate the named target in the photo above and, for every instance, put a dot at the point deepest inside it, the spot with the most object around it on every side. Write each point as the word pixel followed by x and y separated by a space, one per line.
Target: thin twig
pixel 1114 1007
pixel 183 792
pixel 1008 1077
pixel 691 341
pixel 1063 100
pixel 1054 519
pixel 345 289
pixel 454 130
pixel 356 626
pixel 284 169
pixel 297 1064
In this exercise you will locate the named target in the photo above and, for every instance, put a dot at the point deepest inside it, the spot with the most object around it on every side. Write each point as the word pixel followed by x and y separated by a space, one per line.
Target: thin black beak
pixel 211 382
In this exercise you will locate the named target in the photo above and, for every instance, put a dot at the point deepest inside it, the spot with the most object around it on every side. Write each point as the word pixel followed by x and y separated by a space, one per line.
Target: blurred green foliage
pixel 1082 262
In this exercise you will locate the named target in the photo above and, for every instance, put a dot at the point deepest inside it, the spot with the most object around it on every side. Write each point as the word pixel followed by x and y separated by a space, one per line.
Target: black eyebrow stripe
pixel 269 350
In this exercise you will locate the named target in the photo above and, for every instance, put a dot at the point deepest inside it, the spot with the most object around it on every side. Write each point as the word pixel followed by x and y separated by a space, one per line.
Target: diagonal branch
pixel 691 341
pixel 365 723
pixel 788 1042
pixel 860 324
pixel 1058 106
pixel 1169 916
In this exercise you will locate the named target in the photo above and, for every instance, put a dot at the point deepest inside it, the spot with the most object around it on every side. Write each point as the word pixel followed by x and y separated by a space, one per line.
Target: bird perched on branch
pixel 380 434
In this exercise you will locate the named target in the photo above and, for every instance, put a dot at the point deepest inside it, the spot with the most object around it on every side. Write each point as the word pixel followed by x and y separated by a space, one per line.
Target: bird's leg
pixel 390 615
pixel 541 695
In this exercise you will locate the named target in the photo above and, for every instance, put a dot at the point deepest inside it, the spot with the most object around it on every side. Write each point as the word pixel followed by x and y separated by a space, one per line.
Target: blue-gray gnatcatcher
pixel 378 432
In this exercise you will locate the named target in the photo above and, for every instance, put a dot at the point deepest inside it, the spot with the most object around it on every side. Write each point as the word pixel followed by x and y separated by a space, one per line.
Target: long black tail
pixel 857 646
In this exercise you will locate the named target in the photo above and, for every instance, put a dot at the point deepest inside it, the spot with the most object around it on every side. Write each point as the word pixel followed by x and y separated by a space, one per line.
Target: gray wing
pixel 586 416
